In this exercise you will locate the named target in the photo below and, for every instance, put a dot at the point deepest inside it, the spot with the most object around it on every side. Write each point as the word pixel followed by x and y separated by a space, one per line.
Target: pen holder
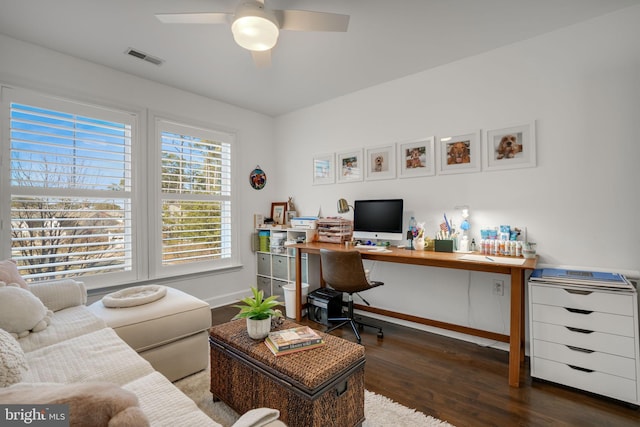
pixel 444 245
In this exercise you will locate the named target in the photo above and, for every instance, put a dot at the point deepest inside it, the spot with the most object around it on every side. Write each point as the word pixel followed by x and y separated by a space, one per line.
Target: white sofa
pixel 78 347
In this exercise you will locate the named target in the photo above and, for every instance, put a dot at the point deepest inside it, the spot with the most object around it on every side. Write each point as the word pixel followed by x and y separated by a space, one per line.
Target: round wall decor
pixel 257 178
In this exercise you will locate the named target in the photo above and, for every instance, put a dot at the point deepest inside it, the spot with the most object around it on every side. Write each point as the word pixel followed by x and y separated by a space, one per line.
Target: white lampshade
pixel 257 33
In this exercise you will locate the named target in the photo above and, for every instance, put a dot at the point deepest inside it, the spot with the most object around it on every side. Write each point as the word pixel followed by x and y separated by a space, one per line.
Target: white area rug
pixel 379 411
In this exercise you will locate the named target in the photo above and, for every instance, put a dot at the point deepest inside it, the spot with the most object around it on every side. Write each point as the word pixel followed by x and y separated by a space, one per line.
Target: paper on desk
pixel 491 258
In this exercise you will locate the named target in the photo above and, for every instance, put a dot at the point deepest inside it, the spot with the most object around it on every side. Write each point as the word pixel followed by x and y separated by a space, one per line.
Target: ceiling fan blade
pixel 262 58
pixel 302 20
pixel 194 18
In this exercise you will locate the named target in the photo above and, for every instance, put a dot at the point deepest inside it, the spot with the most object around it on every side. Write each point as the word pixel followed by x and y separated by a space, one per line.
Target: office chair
pixel 344 272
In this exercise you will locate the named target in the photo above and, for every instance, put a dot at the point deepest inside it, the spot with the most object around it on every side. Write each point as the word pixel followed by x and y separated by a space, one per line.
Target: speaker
pixel 323 304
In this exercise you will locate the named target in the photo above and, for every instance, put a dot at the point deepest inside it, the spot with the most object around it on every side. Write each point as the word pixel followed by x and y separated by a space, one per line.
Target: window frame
pixel 146 168
pixel 159 122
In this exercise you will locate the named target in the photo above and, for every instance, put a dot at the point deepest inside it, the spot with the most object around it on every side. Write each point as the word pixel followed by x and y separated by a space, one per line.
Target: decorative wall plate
pixel 257 178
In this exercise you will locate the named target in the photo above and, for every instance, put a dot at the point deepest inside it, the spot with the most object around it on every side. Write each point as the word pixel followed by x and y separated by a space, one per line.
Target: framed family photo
pixel 510 147
pixel 380 162
pixel 416 158
pixel 324 169
pixel 350 166
pixel 278 212
pixel 459 153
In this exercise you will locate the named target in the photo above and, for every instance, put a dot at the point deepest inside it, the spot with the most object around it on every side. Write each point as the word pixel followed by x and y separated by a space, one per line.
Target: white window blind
pixel 196 196
pixel 71 188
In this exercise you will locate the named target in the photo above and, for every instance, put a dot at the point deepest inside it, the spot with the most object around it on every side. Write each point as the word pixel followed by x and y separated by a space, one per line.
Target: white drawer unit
pixel 586 337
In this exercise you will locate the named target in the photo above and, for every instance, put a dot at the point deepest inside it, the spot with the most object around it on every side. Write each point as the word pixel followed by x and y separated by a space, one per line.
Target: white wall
pixel 581 204
pixel 32 67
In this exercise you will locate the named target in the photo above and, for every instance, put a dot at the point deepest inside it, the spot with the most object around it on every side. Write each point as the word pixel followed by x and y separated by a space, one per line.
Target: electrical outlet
pixel 498 287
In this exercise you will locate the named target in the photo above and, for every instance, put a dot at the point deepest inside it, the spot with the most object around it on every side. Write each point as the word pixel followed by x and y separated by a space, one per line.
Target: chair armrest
pixel 59 294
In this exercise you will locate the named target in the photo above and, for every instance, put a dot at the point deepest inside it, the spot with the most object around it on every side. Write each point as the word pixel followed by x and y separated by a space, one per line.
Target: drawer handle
pixel 581 350
pixel 579 311
pixel 582 331
pixel 578 368
pixel 579 292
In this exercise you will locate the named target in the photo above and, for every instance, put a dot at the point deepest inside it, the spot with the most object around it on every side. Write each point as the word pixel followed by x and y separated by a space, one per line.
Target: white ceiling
pixel 386 40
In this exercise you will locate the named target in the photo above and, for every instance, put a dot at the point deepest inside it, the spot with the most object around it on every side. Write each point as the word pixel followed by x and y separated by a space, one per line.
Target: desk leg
pixel 516 328
pixel 298 285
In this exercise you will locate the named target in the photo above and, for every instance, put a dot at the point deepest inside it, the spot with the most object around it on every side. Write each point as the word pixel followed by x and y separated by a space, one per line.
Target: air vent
pixel 145 57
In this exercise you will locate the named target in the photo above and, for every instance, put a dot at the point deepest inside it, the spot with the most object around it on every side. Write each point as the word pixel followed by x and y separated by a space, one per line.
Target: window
pixel 77 201
pixel 69 179
pixel 195 198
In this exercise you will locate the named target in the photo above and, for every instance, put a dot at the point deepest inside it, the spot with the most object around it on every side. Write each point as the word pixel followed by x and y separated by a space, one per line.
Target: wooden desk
pixel 444 260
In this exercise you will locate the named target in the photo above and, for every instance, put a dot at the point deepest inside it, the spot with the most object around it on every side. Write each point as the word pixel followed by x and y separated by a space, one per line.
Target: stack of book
pixel 292 340
pixel 582 278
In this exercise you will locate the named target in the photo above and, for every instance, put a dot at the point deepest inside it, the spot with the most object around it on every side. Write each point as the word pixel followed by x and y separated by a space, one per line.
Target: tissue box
pixel 444 245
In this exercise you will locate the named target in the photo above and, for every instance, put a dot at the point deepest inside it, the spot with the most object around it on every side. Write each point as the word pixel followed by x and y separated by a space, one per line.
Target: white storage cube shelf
pixel 277 268
pixel 586 339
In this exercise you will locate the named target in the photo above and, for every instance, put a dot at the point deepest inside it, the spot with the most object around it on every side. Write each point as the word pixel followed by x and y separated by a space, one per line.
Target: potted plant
pixel 258 312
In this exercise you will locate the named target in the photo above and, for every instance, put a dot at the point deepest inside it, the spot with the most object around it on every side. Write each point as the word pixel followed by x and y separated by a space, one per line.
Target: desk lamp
pixel 343 206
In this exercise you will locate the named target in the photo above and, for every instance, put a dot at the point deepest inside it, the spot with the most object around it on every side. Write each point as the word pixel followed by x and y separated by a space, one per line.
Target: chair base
pixel 355 325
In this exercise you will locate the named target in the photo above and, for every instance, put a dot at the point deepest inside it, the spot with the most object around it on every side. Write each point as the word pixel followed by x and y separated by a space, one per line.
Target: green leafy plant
pixel 258 307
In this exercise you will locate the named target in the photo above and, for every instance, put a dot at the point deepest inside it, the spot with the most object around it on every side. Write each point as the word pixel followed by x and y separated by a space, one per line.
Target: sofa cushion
pixel 65 324
pixel 12 360
pixel 96 356
pixel 154 391
pixel 21 312
pixel 9 273
pixel 168 319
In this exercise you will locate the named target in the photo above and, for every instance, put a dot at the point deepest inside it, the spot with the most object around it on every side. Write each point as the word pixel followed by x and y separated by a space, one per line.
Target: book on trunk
pixel 292 340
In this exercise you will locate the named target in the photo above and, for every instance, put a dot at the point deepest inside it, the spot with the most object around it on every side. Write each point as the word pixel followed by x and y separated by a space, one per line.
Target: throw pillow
pixel 21 312
pixel 12 360
pixel 9 273
pixel 90 404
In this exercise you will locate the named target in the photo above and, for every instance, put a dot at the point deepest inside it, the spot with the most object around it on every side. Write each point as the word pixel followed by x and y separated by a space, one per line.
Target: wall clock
pixel 257 178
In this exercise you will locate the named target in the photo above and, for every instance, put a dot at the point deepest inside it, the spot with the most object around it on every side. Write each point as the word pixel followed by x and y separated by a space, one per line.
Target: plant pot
pixel 258 329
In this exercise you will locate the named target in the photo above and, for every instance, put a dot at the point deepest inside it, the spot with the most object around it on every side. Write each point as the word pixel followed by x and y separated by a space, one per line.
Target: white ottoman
pixel 171 333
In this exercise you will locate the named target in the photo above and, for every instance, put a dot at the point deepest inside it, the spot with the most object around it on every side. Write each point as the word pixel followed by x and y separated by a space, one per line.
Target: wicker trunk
pixel 319 387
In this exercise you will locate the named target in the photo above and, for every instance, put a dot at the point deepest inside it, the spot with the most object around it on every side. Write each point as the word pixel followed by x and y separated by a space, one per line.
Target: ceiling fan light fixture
pixel 255 28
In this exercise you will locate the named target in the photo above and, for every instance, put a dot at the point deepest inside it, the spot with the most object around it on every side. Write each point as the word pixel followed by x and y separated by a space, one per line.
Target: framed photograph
pixel 416 158
pixel 459 153
pixel 324 169
pixel 278 212
pixel 510 147
pixel 350 166
pixel 380 162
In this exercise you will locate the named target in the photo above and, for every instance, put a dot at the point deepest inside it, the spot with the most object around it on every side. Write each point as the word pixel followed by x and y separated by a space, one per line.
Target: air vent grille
pixel 145 57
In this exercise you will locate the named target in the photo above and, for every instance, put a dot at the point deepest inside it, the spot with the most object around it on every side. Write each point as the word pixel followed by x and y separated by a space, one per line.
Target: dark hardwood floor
pixel 466 384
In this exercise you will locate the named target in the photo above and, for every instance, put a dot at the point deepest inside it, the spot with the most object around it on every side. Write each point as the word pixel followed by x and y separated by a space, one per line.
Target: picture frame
pixel 278 212
pixel 380 162
pixel 349 166
pixel 510 147
pixel 459 153
pixel 416 158
pixel 324 169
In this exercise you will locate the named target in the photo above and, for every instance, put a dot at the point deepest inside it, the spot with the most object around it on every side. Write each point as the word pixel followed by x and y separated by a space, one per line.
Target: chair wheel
pixel 380 334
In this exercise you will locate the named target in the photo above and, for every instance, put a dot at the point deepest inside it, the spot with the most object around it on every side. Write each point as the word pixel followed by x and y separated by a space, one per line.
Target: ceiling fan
pixel 256 28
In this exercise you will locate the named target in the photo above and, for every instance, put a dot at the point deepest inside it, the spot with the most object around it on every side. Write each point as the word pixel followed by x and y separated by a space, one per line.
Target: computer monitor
pixel 378 219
